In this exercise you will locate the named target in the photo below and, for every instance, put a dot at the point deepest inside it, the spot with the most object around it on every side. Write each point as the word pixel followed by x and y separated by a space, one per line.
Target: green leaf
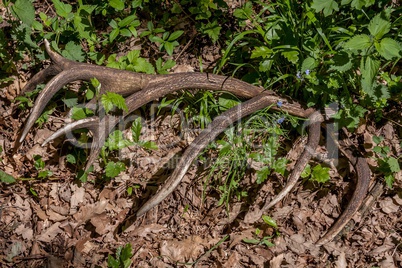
pixel 327 6
pixel 110 100
pixel 169 48
pixel 136 129
pixel 251 241
pixel 113 34
pixel 358 42
pixel 71 159
pixel 212 30
pixel 24 11
pixel 263 174
pixel 43 174
pixel 73 52
pixel 320 174
pixel 149 145
pixel 113 169
pixel 125 255
pixel 341 62
pixel 292 56
pixel 389 48
pixel 280 165
pixel 6 178
pixel 306 172
pixel 116 141
pixel 389 180
pixel 63 10
pixel 175 35
pixel 268 220
pixel 309 63
pixel 393 165
pixel 379 26
pixel 78 113
pixel 117 4
pixel 262 52
pixel 126 21
pixel 369 68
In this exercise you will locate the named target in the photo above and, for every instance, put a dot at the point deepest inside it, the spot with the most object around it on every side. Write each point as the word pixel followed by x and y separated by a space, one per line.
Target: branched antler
pixel 143 88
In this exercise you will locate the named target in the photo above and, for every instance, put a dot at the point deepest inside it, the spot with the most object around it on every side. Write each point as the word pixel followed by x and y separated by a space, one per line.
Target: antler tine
pixel 314 122
pixel 54 85
pixel 217 126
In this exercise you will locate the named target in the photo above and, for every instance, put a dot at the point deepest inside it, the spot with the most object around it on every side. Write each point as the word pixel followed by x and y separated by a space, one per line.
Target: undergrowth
pixel 318 52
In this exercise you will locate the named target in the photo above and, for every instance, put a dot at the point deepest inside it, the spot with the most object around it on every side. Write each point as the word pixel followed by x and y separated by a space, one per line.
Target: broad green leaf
pixel 393 165
pixel 169 48
pixel 292 56
pixel 328 7
pixel 341 62
pixel 110 99
pixel 113 34
pixel 306 171
pixel 73 52
pixel 71 159
pixel 143 66
pixel 63 10
pixel 358 42
pixel 369 69
pixel 81 113
pixel 117 4
pixel 379 26
pixel 24 10
pixel 309 63
pixel 389 180
pixel 262 52
pixel 389 48
pixel 126 21
pixel 116 141
pixel 359 4
pixel 113 169
pixel 175 35
pixel 320 174
pixel 6 178
pixel 149 145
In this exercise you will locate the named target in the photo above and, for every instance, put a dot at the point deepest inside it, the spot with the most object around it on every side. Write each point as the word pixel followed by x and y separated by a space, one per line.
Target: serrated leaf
pixel 369 69
pixel 358 42
pixel 341 62
pixel 379 26
pixel 389 180
pixel 212 29
pixel 320 174
pixel 113 169
pixel 110 100
pixel 63 10
pixel 328 7
pixel 136 129
pixel 306 171
pixel 24 11
pixel 393 165
pixel 389 48
pixel 262 174
pixel 143 66
pixel 6 178
pixel 262 52
pixel 292 56
pixel 116 141
pixel 73 52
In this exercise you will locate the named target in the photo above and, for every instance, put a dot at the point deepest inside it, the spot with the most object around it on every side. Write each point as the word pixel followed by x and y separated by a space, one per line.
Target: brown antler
pixel 145 88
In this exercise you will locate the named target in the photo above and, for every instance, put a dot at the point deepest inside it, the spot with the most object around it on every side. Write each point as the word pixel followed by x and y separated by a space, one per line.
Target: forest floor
pixel 61 222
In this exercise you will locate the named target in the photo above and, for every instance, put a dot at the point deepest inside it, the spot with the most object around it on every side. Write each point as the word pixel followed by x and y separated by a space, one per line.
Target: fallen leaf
pixel 50 233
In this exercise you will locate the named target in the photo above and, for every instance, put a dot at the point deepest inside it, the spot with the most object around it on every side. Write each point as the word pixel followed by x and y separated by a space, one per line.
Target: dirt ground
pixel 60 222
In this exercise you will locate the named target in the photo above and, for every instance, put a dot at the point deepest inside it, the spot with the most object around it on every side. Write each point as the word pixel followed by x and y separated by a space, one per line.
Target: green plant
pixel 39 165
pixel 258 239
pixel 387 164
pixel 123 257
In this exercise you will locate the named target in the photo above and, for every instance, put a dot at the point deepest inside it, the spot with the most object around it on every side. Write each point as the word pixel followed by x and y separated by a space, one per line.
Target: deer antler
pixel 145 88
